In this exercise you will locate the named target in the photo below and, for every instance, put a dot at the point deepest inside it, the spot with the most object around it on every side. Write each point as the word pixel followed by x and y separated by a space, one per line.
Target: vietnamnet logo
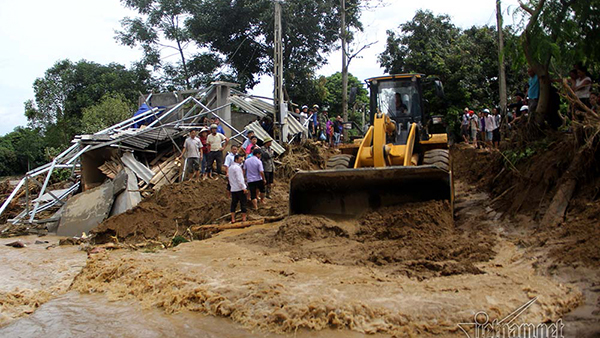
pixel 505 327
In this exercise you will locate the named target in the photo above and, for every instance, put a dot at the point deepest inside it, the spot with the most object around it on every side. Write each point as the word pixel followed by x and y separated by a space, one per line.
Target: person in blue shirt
pixel 315 122
pixel 534 90
pixel 220 129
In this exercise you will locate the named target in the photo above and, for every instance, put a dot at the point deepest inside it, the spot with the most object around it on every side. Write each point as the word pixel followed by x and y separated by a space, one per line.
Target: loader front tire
pixel 438 157
pixel 342 161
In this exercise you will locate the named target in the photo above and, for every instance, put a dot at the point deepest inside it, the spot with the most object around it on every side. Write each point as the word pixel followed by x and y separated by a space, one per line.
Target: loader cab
pixel 401 97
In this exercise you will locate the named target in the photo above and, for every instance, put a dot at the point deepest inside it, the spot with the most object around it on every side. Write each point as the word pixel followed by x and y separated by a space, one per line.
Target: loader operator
pixel 401 108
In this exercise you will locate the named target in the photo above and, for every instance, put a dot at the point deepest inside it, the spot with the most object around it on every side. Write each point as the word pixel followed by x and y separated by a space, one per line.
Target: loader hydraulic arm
pixel 374 152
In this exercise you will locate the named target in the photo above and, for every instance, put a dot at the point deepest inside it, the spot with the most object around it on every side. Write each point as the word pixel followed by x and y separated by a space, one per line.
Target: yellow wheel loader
pixel 402 158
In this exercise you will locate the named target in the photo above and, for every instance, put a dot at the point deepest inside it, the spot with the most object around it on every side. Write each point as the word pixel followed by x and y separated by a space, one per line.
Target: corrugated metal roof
pixel 260 104
pixel 262 134
pixel 138 168
pixel 245 105
pixel 294 126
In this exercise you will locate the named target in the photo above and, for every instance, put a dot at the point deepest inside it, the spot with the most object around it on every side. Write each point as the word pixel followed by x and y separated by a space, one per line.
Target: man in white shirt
pixel 193 154
pixel 490 125
pixel 238 187
pixel 229 160
pixel 216 143
pixel 464 126
pixel 303 115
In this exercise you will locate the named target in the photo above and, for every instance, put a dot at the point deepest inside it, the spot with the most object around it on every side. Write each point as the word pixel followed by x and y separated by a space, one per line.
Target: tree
pixel 20 150
pixel 333 99
pixel 112 109
pixel 465 60
pixel 242 32
pixel 559 32
pixel 67 88
pixel 161 27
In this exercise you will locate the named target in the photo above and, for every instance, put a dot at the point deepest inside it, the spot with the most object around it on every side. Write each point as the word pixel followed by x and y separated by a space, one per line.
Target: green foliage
pixel 68 88
pixel 453 120
pixel 112 109
pixel 516 156
pixel 59 175
pixel 565 33
pixel 333 98
pixel 178 240
pixel 241 32
pixel 161 26
pixel 465 60
pixel 21 150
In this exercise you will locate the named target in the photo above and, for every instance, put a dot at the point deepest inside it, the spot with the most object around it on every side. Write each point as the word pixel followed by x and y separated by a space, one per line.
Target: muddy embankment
pixel 407 270
pixel 568 251
pixel 402 270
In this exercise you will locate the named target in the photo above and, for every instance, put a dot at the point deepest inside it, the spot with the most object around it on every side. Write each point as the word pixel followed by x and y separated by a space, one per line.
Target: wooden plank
pixel 221 227
pixel 160 156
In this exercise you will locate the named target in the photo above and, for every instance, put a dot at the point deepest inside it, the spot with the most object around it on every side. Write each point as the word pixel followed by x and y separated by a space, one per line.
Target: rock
pixel 16 244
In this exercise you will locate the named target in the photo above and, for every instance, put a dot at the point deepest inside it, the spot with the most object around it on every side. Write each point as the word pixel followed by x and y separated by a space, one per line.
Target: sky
pixel 35 34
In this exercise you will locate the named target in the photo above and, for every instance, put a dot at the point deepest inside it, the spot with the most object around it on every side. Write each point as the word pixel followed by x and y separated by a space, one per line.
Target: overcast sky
pixel 35 34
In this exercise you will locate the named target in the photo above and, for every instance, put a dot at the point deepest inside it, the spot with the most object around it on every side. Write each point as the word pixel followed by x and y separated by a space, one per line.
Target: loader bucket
pixel 353 191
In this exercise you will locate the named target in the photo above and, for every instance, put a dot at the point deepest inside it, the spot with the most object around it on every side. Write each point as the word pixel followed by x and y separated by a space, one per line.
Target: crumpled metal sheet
pixel 262 135
pixel 138 168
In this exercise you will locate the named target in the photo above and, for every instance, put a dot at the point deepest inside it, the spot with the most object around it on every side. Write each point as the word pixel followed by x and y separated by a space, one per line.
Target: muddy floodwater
pixel 77 315
pixel 402 272
pixel 35 301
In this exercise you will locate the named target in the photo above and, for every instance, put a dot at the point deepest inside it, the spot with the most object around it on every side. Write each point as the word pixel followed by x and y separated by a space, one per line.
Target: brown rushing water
pixel 77 315
pixel 211 288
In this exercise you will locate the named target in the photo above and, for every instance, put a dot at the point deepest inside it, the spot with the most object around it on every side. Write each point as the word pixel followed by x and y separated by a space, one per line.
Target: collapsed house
pixel 114 169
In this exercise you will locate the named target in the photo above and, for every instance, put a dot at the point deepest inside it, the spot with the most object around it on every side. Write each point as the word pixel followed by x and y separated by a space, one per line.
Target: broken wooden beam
pixel 221 227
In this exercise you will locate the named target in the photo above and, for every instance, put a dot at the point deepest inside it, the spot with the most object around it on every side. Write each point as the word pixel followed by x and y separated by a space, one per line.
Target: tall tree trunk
pixel 344 69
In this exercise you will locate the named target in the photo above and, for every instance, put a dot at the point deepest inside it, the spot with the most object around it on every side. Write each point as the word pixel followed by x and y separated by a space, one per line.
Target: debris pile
pixel 309 155
pixel 147 144
pixel 111 167
pixel 171 211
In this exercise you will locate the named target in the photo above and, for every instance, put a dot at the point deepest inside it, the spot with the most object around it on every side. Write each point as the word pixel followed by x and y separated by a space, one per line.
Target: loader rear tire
pixel 437 157
pixel 341 161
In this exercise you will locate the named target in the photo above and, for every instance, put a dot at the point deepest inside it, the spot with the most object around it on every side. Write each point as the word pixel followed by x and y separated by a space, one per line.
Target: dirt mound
pixel 417 240
pixel 172 209
pixel 578 236
pixel 522 188
pixel 308 155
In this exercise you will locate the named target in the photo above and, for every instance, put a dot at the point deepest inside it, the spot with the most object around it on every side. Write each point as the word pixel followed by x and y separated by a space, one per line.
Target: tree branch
pixel 350 57
pixel 526 8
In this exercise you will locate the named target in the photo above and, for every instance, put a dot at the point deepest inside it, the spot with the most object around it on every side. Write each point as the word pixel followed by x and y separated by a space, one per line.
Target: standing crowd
pixel 320 126
pixel 482 129
pixel 249 169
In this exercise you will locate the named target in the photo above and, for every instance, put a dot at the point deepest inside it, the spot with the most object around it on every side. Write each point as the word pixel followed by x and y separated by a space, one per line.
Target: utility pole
pixel 502 69
pixel 344 67
pixel 280 108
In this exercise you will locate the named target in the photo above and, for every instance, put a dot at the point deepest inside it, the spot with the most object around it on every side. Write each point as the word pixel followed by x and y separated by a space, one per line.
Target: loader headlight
pixel 437 120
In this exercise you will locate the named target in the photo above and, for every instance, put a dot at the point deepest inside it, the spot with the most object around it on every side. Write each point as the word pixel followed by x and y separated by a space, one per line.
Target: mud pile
pixel 522 191
pixel 171 210
pixel 309 155
pixel 416 240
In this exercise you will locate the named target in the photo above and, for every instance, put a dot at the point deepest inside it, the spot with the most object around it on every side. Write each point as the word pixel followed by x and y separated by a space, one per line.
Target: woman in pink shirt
pixel 253 141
